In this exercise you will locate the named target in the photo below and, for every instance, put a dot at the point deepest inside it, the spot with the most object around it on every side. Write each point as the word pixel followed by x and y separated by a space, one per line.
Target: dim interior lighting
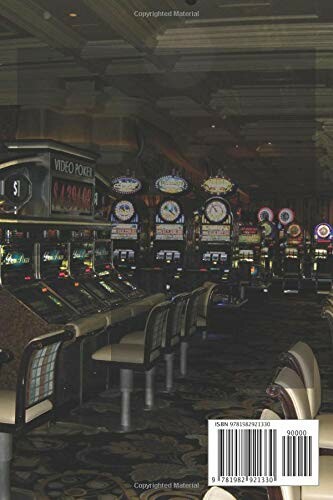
pixel 269 143
pixel 27 278
pixel 72 14
pixel 44 290
pixel 213 126
pixel 76 284
pixel 237 146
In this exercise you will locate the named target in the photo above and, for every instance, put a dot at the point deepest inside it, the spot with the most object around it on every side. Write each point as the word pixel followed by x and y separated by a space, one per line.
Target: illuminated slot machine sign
pixel 294 233
pixel 124 231
pixel 249 235
pixel 102 255
pixel 81 258
pixel 169 232
pixel 216 233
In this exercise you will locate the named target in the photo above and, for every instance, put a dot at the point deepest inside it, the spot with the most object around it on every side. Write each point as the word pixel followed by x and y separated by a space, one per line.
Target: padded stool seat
pixel 325 488
pixel 325 430
pixel 8 408
pixel 134 338
pixel 216 493
pixel 120 353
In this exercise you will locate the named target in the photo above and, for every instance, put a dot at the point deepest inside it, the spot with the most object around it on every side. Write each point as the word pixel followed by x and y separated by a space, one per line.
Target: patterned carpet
pixel 82 458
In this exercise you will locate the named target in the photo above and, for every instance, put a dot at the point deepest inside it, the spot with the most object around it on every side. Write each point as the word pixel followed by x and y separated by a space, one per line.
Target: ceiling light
pixel 269 143
pixel 237 146
pixel 213 126
pixel 72 14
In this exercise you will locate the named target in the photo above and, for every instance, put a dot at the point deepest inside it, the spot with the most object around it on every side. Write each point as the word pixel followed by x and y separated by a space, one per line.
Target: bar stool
pixel 301 358
pixel 137 357
pixel 216 493
pixel 34 400
pixel 203 306
pixel 323 491
pixel 172 337
pixel 189 326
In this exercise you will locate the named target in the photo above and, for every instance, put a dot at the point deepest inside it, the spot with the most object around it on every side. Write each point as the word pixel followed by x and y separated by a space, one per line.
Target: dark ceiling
pixel 246 86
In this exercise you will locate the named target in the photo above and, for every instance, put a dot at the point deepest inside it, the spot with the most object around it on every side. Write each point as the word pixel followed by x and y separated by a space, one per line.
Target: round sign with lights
pixel 124 210
pixel 294 230
pixel 265 214
pixel 216 211
pixel 126 185
pixel 323 231
pixel 286 216
pixel 170 211
pixel 171 184
pixel 218 185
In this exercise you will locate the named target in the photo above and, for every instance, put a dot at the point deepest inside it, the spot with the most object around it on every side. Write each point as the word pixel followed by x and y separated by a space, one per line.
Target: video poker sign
pixel 69 166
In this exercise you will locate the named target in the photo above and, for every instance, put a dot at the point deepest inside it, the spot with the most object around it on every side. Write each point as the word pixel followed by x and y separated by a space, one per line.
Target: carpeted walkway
pixel 83 459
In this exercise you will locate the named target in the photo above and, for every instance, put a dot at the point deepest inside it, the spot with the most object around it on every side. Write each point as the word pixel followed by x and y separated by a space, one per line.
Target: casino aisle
pixel 228 375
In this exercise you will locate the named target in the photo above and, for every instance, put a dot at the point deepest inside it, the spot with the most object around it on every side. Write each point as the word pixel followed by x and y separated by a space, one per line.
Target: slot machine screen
pixel 81 256
pixel 53 259
pixel 102 255
pixel 124 255
pixel 218 257
pixel 249 235
pixel 16 263
pixel 40 299
pixel 168 255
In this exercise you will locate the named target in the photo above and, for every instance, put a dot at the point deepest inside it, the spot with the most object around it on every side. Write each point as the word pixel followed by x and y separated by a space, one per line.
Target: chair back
pixel 289 389
pixel 38 374
pixel 192 312
pixel 206 297
pixel 302 359
pixel 175 320
pixel 155 328
pixel 281 492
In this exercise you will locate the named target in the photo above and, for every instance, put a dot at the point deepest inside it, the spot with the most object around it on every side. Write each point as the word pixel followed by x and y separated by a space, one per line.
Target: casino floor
pixel 81 456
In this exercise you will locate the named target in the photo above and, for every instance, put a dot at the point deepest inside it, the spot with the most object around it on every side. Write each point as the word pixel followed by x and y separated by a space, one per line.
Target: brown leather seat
pixel 322 492
pixel 141 356
pixel 301 358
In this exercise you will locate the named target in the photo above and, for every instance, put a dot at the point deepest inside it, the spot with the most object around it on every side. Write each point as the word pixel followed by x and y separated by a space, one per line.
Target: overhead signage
pixel 171 184
pixel 64 165
pixel 71 197
pixel 126 185
pixel 218 186
pixel 265 214
pixel 323 231
pixel 286 216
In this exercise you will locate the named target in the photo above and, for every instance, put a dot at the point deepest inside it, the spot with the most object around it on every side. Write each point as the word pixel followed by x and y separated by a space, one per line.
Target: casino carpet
pixel 82 458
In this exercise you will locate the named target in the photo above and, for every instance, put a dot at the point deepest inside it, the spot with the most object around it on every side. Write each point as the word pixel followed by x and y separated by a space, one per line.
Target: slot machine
pixel 169 242
pixel 292 251
pixel 249 240
pixel 28 308
pixel 125 222
pixel 322 257
pixel 268 243
pixel 216 238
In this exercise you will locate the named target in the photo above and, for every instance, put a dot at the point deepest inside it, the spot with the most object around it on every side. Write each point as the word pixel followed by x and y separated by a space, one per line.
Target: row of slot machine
pixel 55 248
pixel 214 243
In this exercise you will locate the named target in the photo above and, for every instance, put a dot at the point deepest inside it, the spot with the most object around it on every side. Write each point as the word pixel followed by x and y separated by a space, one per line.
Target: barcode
pixel 297 455
pixel 251 452
pixel 275 452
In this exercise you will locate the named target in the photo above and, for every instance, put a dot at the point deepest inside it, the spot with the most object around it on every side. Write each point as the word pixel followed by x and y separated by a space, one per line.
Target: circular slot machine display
pixel 323 231
pixel 265 214
pixel 124 210
pixel 216 211
pixel 294 230
pixel 286 216
pixel 170 211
